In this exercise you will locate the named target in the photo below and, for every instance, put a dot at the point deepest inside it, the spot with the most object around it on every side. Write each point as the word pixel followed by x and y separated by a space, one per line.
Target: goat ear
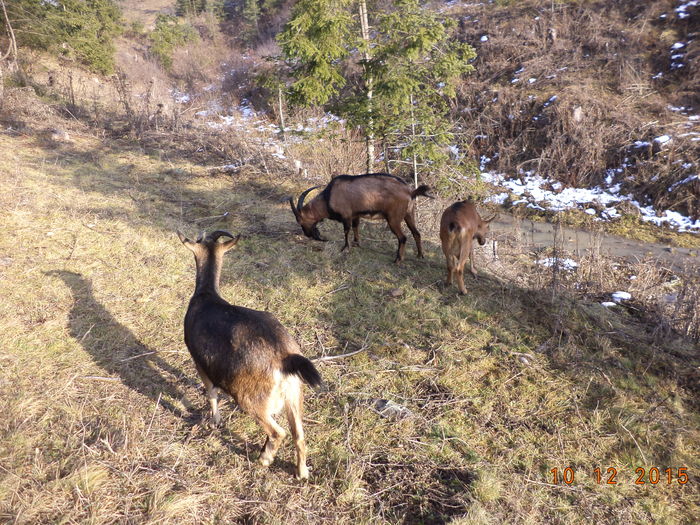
pixel 230 244
pixel 185 240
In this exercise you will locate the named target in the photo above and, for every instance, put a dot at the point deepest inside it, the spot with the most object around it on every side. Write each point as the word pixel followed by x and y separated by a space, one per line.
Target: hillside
pixel 526 373
pixel 456 409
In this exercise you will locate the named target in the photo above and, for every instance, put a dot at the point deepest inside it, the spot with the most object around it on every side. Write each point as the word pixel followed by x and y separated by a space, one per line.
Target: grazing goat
pixel 459 226
pixel 346 198
pixel 246 353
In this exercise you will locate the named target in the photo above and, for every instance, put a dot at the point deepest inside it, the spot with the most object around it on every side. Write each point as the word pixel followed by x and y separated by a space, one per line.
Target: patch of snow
pixel 590 211
pixel 551 100
pixel 484 38
pixel 682 10
pixel 532 189
pixel 681 182
pixel 678 45
pixel 621 296
pixel 179 97
pixel 608 304
pixel 499 198
pixel 663 139
pixel 531 80
pixel 563 264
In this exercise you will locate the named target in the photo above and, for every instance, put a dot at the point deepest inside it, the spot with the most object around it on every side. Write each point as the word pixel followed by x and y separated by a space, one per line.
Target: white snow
pixel 621 296
pixel 551 100
pixel 682 9
pixel 532 191
pixel 484 38
pixel 663 139
pixel 563 264
pixel 681 182
pixel 608 304
pixel 179 97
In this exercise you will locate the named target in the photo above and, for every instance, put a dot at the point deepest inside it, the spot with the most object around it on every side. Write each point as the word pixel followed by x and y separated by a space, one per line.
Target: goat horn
pixel 200 237
pixel 300 202
pixel 214 236
pixel 492 218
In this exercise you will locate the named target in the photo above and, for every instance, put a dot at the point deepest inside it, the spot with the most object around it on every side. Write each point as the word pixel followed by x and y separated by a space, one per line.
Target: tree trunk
pixel 10 56
pixel 369 132
pixel 281 110
pixel 413 135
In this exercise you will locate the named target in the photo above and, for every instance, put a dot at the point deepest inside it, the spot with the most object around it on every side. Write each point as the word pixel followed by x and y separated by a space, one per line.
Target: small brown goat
pixel 459 226
pixel 246 353
pixel 374 196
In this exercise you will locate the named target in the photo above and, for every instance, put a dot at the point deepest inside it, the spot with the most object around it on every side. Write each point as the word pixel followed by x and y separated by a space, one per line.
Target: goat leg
pixel 275 436
pixel 212 395
pixel 346 228
pixel 355 231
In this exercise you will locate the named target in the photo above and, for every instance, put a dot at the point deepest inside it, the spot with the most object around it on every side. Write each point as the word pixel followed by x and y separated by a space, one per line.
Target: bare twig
pixel 332 357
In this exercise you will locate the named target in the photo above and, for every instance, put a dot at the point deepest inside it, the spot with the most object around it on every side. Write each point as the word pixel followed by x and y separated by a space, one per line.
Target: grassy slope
pixel 101 405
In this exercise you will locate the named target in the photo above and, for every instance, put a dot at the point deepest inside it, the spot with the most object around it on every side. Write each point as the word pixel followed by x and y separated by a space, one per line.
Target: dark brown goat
pixel 373 196
pixel 246 353
pixel 459 226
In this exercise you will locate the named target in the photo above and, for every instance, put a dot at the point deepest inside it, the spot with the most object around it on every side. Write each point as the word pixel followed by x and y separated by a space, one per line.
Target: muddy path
pixel 538 235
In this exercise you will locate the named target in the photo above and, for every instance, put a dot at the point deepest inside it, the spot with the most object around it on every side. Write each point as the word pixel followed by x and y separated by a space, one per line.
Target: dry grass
pixel 102 408
pixel 598 59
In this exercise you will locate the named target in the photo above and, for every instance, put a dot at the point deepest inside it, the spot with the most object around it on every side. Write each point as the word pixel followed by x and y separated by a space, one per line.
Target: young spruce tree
pixel 410 67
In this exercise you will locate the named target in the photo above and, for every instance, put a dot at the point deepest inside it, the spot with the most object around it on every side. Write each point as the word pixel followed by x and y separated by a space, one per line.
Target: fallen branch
pixel 340 356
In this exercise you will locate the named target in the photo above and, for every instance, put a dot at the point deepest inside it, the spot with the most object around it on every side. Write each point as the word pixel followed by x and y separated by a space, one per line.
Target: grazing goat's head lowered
pixel 347 198
pixel 308 216
pixel 459 226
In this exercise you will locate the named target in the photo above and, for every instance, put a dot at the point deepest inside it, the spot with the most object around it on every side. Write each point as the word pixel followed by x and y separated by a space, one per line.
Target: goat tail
pixel 297 364
pixel 453 227
pixel 422 190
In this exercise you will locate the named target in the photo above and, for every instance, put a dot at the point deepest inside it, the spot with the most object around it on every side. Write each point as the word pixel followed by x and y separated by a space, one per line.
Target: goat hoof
pixel 265 462
pixel 302 474
pixel 212 424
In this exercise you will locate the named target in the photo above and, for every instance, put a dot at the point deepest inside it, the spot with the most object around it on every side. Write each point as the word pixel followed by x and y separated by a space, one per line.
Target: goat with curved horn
pixel 246 353
pixel 374 196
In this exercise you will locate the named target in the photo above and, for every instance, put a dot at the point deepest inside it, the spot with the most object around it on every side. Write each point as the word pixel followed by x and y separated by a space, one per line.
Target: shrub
pixel 83 29
pixel 168 35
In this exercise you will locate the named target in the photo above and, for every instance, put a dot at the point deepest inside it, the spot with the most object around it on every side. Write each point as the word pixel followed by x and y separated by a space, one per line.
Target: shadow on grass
pixel 116 349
